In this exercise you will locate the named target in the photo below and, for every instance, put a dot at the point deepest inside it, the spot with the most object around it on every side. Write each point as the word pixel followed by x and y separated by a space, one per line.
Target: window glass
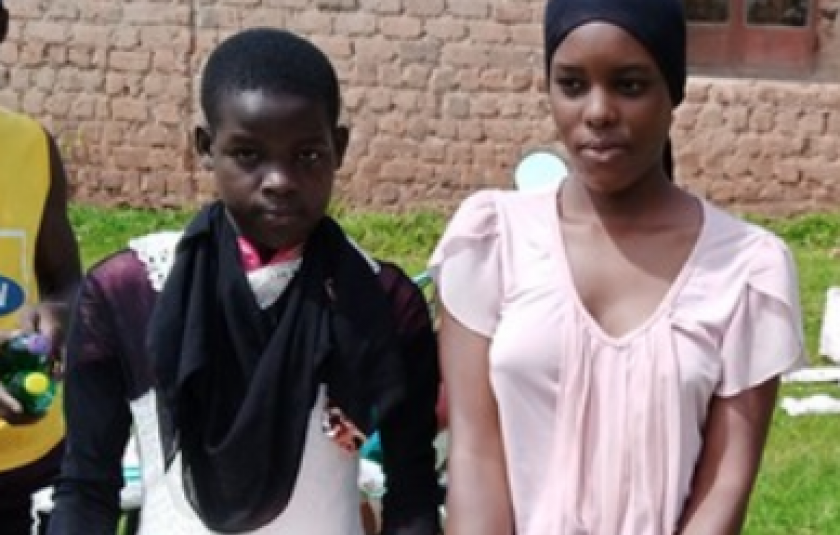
pixel 707 11
pixel 778 12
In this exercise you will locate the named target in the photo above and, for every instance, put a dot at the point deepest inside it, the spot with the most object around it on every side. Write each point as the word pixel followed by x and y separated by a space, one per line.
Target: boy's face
pixel 274 157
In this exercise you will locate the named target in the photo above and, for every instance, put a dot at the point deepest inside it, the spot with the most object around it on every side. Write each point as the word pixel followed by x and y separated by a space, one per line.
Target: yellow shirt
pixel 24 186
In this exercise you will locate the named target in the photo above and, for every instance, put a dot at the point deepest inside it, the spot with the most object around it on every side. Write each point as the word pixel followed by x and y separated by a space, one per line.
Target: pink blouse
pixel 602 434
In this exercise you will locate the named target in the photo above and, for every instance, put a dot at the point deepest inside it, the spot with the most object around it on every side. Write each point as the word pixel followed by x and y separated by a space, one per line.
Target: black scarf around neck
pixel 237 384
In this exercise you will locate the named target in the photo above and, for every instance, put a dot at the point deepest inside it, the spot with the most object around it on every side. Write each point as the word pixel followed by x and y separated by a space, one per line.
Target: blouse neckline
pixel 664 305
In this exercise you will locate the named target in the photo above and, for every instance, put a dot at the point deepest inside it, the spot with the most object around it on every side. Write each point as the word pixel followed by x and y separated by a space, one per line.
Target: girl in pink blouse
pixel 611 349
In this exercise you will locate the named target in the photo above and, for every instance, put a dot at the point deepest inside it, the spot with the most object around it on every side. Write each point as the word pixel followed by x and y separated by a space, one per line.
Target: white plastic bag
pixel 818 404
pixel 830 332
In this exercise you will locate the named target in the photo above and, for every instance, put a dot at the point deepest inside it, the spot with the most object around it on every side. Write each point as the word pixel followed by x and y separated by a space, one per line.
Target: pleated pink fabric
pixel 602 433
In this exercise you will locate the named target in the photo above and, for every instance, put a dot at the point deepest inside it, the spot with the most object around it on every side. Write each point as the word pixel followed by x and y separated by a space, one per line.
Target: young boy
pixel 275 345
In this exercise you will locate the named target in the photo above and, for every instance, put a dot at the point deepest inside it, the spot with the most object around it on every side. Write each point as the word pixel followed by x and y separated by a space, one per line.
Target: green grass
pixel 798 491
pixel 408 239
pixel 102 232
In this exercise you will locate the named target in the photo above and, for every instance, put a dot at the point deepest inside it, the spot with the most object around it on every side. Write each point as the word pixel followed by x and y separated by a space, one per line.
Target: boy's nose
pixel 276 178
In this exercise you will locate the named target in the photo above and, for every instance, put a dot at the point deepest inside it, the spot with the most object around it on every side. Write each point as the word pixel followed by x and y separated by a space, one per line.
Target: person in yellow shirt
pixel 39 272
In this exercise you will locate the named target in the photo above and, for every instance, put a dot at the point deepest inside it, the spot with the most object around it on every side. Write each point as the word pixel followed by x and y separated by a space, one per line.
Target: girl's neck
pixel 648 199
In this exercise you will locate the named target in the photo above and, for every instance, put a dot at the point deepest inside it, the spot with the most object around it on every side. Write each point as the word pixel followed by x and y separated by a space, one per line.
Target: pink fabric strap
pixel 251 258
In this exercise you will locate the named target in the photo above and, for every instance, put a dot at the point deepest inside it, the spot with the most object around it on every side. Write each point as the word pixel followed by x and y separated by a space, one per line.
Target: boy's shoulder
pixel 143 264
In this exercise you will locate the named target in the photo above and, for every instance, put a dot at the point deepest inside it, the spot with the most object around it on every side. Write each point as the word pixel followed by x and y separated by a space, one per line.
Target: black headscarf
pixel 659 25
pixel 238 384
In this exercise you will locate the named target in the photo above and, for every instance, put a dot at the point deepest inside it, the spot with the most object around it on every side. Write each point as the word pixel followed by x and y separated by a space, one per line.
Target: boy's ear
pixel 203 139
pixel 341 138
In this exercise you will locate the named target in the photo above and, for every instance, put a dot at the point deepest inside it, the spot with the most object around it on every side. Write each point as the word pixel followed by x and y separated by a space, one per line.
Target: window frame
pixel 737 47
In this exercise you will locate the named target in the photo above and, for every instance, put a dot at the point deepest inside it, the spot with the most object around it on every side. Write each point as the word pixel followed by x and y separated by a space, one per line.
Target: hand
pixel 9 406
pixel 10 409
pixel 48 318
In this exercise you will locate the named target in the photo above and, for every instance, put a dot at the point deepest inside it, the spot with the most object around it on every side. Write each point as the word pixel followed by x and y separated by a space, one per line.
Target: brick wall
pixel 443 97
pixel 770 147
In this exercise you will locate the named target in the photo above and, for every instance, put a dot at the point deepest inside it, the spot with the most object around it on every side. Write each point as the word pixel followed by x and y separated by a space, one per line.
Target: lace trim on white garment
pixel 157 252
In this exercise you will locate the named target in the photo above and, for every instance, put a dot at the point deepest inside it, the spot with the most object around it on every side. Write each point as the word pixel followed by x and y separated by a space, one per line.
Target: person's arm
pixel 57 265
pixel 57 270
pixel 478 499
pixel 733 441
pixel 762 340
pixel 411 502
pixel 98 422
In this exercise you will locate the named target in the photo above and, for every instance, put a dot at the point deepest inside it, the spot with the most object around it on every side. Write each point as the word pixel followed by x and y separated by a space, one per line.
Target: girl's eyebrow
pixel 634 68
pixel 573 67
pixel 569 68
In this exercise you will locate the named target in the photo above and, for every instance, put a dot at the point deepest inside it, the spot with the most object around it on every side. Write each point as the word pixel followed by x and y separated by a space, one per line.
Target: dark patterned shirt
pixel 108 367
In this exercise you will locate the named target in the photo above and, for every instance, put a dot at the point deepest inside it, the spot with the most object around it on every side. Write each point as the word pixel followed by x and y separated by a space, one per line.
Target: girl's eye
pixel 570 86
pixel 631 87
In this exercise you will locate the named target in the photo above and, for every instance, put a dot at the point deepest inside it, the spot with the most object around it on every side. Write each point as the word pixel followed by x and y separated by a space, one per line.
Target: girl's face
pixel 611 106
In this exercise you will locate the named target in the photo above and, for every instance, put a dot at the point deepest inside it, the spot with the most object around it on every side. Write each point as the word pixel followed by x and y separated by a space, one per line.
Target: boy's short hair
pixel 272 60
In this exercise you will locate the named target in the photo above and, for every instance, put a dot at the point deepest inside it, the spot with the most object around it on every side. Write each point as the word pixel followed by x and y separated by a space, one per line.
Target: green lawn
pixel 798 492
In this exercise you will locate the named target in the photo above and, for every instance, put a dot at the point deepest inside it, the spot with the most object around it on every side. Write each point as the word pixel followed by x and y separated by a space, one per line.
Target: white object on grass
pixel 830 331
pixel 822 374
pixel 818 404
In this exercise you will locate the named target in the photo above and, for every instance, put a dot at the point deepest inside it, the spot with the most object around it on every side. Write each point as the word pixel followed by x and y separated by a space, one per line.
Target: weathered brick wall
pixel 770 147
pixel 443 97
pixel 111 80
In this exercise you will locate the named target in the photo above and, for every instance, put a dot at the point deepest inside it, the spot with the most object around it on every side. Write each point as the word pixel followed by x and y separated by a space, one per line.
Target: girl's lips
pixel 603 153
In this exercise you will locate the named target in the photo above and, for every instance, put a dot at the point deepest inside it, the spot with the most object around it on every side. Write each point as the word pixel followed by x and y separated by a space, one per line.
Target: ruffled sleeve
pixel 466 266
pixel 765 337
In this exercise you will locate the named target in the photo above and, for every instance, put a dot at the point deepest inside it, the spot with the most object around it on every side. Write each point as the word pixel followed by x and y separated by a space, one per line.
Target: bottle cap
pixel 36 383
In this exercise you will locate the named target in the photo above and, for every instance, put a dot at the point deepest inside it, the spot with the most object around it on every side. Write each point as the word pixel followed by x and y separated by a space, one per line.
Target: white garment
pixel 325 500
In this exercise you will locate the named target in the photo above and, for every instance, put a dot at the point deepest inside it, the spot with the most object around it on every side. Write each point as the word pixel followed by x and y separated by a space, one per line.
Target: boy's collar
pixel 250 257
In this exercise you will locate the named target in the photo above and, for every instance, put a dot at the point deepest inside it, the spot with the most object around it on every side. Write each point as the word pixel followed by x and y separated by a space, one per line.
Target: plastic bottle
pixel 25 372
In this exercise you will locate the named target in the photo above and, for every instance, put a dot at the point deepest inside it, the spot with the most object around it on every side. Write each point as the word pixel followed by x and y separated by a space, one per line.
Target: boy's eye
pixel 311 156
pixel 246 156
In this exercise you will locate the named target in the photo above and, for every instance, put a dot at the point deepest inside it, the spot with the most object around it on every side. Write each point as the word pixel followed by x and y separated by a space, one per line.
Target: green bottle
pixel 25 372
pixel 33 390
